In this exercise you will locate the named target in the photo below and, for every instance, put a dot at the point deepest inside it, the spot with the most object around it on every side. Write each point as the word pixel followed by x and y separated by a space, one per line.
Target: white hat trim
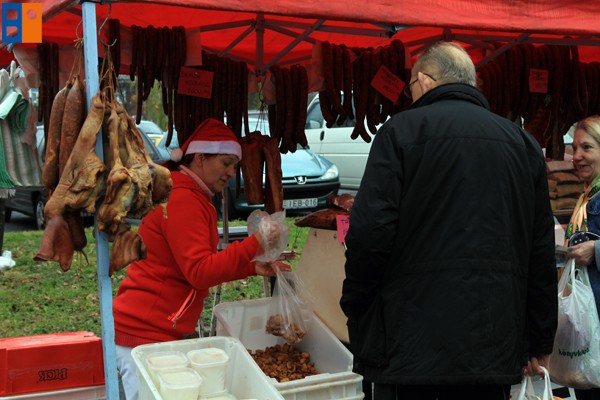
pixel 215 147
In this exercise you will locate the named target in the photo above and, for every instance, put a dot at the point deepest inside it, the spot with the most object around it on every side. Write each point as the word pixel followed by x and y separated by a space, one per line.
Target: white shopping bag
pixel 527 391
pixel 575 358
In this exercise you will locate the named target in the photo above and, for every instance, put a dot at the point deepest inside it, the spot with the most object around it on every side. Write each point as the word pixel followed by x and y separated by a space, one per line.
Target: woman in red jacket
pixel 162 297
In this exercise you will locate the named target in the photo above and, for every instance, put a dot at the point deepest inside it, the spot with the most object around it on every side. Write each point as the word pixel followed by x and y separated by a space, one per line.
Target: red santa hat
pixel 210 137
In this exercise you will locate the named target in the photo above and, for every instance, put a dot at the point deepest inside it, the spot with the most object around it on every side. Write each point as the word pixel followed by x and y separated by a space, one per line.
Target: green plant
pixel 38 297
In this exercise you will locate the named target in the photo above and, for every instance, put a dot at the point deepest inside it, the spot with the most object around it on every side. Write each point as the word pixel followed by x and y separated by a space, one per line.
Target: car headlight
pixel 331 173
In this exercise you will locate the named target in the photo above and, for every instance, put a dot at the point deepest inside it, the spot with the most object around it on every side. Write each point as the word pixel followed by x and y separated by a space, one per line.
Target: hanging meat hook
pixel 102 26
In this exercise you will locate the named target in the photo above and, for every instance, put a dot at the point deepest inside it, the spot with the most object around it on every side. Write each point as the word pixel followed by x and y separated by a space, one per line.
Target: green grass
pixel 38 297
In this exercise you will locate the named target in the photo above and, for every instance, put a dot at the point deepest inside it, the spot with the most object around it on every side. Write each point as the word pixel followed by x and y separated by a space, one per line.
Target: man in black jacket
pixel 451 284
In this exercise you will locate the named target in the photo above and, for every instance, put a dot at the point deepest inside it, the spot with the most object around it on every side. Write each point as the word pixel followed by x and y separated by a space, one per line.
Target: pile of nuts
pixel 284 363
pixel 277 325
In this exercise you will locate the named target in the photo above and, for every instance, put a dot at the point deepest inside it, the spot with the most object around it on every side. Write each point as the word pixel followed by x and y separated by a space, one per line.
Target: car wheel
pixel 7 214
pixel 38 211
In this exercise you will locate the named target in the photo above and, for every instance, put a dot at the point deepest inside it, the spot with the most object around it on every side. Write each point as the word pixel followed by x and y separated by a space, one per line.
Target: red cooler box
pixel 44 363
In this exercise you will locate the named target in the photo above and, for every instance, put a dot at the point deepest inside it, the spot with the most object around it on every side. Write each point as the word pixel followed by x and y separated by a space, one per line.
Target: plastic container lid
pixel 209 357
pixel 180 385
pixel 159 361
pixel 211 363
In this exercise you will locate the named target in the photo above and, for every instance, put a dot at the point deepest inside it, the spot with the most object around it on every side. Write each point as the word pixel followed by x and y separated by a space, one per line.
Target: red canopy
pixel 290 27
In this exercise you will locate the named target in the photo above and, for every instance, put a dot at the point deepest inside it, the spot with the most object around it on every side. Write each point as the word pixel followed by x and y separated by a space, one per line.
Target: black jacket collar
pixel 452 91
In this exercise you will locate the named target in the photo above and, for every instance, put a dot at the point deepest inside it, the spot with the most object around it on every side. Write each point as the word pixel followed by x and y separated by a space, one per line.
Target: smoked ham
pixel 50 175
pixel 162 183
pixel 120 188
pixel 138 168
pixel 72 120
pixel 80 185
pixel 252 167
pixel 273 178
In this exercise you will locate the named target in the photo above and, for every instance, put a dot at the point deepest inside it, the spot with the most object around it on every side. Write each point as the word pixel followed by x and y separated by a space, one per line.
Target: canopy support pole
pixel 90 48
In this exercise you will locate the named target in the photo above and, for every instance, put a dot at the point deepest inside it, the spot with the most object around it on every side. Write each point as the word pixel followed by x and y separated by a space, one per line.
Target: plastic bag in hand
pixel 262 224
pixel 527 391
pixel 575 358
pixel 291 309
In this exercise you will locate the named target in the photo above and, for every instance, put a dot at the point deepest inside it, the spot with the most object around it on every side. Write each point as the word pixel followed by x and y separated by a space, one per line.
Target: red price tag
pixel 195 82
pixel 538 80
pixel 388 84
pixel 343 224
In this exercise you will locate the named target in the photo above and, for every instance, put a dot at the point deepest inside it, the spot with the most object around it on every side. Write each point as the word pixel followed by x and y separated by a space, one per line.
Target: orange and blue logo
pixel 21 23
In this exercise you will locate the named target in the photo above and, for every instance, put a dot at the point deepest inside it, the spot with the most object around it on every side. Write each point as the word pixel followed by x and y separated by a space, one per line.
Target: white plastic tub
pixel 246 320
pixel 164 361
pixel 244 379
pixel 180 385
pixel 211 364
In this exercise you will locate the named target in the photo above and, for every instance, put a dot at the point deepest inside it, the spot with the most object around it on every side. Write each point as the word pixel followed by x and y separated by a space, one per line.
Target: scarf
pixel 578 221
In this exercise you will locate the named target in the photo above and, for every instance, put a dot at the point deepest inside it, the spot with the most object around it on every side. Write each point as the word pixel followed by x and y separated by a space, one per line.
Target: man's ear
pixel 425 82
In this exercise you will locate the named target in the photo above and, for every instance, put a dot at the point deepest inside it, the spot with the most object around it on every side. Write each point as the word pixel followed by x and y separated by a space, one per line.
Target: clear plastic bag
pixel 291 309
pixel 575 358
pixel 260 222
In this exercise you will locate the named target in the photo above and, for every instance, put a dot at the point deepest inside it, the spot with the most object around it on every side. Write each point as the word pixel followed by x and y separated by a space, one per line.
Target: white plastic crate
pixel 246 320
pixel 244 378
pixel 81 393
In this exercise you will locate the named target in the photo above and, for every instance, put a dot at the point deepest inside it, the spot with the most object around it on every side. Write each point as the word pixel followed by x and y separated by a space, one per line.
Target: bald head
pixel 448 62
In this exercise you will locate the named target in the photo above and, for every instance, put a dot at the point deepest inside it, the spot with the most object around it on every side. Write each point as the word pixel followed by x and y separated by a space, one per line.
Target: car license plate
pixel 299 203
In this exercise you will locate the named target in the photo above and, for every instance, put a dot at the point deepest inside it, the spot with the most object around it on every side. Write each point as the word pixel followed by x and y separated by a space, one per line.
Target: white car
pixel 335 144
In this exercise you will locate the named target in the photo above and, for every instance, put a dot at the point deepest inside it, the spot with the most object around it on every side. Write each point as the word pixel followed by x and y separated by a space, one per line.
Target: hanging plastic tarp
pixel 19 162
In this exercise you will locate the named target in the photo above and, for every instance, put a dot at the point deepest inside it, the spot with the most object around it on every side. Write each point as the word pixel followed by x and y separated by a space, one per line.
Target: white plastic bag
pixel 6 260
pixel 527 391
pixel 575 358
pixel 261 222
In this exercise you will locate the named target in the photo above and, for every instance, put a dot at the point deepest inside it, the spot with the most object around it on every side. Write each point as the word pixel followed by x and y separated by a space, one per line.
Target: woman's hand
pixel 266 268
pixel 583 253
pixel 268 235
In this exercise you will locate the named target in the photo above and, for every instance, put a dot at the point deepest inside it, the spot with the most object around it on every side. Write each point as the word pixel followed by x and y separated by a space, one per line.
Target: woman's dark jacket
pixel 450 271
pixel 593 223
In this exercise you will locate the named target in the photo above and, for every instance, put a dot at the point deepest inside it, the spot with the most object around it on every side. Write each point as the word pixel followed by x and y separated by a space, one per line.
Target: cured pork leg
pixel 73 117
pixel 138 168
pixel 50 175
pixel 161 176
pixel 120 189
pixel 80 184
